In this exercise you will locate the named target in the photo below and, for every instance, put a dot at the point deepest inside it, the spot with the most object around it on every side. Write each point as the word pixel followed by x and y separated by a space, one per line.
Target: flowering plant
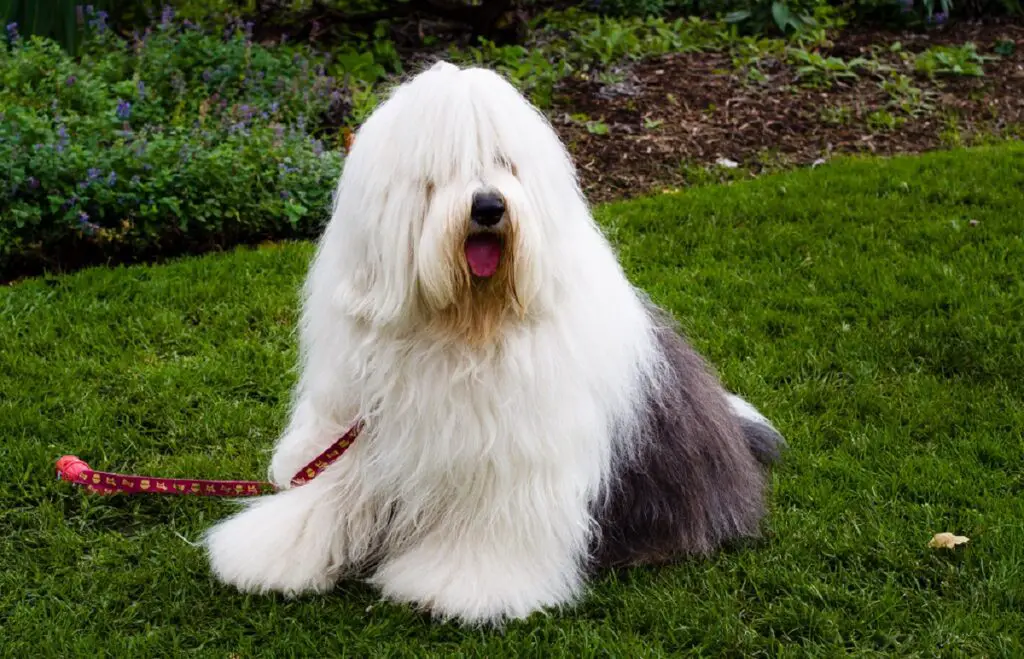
pixel 165 141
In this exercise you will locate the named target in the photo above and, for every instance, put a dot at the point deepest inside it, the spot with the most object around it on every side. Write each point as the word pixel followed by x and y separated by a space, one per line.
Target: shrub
pixel 172 140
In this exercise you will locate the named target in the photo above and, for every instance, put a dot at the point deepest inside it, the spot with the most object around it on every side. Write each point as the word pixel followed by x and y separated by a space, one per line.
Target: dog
pixel 530 417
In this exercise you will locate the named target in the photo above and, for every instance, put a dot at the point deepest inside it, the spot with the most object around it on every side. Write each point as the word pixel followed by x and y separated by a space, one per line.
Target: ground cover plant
pixel 872 308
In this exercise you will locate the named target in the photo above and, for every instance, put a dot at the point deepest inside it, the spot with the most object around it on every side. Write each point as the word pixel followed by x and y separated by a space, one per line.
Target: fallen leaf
pixel 947 541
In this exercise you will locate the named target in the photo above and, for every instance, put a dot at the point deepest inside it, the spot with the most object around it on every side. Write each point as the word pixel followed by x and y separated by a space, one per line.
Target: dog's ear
pixel 364 267
pixel 370 293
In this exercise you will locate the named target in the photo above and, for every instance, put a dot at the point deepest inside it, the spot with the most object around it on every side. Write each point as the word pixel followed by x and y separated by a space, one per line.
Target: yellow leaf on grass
pixel 947 541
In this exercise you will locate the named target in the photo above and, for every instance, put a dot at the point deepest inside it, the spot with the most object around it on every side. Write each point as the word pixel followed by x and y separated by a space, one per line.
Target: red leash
pixel 74 470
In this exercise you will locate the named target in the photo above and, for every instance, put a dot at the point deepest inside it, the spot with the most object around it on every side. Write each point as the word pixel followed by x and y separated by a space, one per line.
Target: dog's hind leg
pixel 695 479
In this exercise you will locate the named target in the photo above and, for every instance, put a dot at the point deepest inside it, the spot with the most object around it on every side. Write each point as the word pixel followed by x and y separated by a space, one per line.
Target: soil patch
pixel 663 121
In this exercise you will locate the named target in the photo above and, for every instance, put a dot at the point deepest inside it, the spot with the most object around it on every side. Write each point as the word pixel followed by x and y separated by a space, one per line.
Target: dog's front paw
pixel 281 543
pixel 473 587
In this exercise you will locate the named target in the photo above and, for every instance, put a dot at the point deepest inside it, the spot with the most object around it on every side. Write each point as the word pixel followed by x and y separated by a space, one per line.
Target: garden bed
pixel 672 117
pixel 144 150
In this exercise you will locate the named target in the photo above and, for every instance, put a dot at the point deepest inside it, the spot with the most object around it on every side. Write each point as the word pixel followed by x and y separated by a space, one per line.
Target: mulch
pixel 668 117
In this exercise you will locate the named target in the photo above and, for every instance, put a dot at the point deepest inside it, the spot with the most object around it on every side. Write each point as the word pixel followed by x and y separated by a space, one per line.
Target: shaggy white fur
pixel 496 409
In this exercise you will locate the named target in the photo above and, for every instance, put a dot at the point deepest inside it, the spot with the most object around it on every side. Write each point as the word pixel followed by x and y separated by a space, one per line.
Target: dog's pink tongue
pixel 483 253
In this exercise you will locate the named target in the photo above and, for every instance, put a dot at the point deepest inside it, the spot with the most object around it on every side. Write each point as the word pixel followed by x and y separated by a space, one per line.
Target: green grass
pixel 856 304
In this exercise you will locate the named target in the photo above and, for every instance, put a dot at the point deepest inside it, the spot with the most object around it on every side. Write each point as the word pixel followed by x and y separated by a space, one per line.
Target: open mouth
pixel 483 253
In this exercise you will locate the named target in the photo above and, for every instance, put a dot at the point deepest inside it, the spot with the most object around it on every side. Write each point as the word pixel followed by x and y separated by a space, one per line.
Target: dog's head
pixel 454 204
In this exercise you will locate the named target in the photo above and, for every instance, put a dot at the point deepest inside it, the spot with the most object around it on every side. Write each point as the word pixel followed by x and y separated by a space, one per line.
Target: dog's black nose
pixel 488 208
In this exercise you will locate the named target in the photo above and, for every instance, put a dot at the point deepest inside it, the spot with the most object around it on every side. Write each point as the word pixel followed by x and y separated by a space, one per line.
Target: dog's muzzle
pixel 485 243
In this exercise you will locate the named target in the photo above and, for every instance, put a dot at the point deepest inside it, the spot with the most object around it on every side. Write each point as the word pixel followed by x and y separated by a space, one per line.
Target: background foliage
pixel 171 139
pixel 136 129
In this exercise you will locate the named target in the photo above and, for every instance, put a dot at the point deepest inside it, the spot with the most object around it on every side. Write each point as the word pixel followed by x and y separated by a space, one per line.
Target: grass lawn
pixel 873 309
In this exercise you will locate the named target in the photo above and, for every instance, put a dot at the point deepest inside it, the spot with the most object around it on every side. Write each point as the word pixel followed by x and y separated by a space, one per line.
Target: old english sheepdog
pixel 530 417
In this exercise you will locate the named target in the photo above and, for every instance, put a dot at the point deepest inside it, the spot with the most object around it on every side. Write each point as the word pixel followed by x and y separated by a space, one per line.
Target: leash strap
pixel 75 470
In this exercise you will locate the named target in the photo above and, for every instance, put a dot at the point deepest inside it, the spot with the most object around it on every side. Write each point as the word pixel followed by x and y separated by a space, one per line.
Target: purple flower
pixel 207 74
pixel 12 32
pixel 273 106
pixel 124 110
pixel 140 86
pixel 112 178
pixel 93 174
pixel 85 224
pixel 70 80
pixel 318 148
pixel 33 182
pixel 167 16
pixel 97 19
pixel 284 194
pixel 939 19
pixel 62 137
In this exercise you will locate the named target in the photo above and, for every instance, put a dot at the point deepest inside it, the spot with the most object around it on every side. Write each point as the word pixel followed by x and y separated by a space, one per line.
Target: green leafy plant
pixel 883 121
pixel 759 14
pixel 837 115
pixel 905 96
pixel 1005 47
pixel 962 60
pixel 817 70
